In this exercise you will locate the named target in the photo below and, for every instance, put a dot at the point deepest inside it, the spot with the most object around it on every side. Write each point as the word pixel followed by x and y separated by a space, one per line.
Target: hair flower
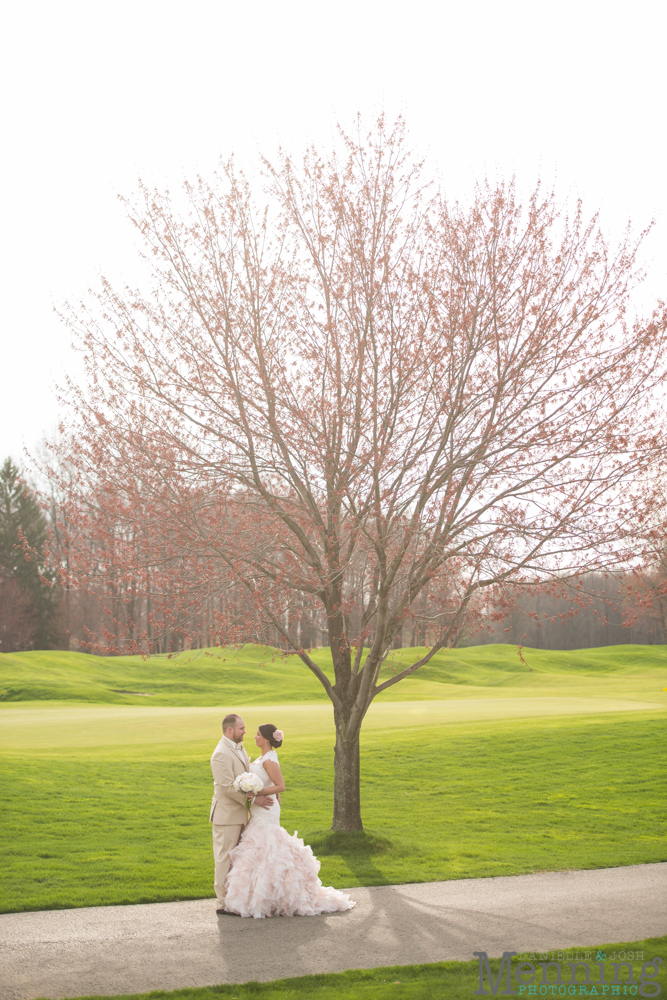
pixel 278 734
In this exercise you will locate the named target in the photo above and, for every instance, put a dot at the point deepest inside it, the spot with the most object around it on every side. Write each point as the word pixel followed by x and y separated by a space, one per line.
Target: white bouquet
pixel 249 784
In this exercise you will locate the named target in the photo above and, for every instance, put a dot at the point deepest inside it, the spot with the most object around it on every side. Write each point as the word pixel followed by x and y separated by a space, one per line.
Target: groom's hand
pixel 265 801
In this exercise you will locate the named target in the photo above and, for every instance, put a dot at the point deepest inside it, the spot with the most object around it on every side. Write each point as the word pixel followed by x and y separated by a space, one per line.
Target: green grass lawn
pixel 126 822
pixel 476 766
pixel 257 675
pixel 438 981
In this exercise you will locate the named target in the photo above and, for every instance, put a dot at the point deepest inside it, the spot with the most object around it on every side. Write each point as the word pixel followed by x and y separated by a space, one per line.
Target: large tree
pixel 359 405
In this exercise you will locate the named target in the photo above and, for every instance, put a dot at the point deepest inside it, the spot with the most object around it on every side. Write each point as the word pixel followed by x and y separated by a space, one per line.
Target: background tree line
pixel 39 612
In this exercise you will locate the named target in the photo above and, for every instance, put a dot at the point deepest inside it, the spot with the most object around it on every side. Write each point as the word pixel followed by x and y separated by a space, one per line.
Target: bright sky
pixel 96 95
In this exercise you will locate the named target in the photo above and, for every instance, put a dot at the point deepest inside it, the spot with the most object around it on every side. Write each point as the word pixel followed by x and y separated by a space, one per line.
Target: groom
pixel 228 809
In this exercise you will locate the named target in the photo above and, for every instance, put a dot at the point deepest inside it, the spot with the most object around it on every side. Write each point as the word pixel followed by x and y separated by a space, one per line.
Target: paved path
pixel 134 949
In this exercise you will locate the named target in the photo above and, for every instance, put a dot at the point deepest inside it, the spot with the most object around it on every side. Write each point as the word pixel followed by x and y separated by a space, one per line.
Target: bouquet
pixel 249 784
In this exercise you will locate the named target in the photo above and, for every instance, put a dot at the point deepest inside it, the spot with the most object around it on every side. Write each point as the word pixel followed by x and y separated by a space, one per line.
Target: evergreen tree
pixel 20 514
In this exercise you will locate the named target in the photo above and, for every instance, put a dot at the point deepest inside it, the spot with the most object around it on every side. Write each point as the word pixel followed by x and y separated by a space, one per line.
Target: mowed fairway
pixel 517 772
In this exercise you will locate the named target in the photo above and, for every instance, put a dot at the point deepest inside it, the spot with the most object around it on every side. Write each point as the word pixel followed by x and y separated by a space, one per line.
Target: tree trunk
pixel 347 800
pixel 663 623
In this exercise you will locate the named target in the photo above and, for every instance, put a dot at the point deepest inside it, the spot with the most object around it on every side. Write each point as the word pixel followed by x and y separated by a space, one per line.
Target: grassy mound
pixel 260 675
pixel 202 677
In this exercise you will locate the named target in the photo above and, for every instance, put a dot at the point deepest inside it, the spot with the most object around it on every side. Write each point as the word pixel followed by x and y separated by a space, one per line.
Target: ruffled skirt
pixel 275 875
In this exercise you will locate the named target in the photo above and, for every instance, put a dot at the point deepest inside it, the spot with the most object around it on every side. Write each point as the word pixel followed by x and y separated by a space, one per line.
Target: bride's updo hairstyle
pixel 267 731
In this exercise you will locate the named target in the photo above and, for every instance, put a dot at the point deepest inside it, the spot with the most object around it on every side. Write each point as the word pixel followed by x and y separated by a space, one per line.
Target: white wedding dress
pixel 273 874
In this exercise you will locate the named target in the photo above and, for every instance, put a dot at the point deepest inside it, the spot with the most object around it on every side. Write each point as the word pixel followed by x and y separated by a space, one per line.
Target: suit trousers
pixel 225 838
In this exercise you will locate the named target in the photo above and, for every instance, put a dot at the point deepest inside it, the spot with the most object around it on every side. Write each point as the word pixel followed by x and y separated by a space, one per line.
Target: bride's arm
pixel 273 770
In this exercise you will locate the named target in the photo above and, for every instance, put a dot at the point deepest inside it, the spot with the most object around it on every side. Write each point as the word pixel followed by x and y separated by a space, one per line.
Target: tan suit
pixel 228 809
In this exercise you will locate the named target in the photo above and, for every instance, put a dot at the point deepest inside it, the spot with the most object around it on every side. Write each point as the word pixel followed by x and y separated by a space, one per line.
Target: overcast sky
pixel 96 95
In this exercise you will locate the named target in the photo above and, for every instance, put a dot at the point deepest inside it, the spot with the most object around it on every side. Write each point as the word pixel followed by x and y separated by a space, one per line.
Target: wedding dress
pixel 273 874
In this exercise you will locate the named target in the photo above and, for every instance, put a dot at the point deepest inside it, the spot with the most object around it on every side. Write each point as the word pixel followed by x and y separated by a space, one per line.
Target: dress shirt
pixel 238 748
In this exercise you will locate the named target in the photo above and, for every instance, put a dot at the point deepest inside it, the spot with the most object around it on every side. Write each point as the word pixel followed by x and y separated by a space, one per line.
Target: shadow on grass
pixel 356 849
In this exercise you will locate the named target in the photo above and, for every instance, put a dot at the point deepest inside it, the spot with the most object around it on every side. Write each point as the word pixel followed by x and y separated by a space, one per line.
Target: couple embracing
pixel 260 871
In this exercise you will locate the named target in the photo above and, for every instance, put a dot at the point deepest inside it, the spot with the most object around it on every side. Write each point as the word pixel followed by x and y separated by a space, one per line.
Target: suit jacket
pixel 228 807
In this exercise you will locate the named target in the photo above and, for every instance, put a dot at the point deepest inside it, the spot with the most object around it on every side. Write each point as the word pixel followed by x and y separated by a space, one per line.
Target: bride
pixel 273 874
